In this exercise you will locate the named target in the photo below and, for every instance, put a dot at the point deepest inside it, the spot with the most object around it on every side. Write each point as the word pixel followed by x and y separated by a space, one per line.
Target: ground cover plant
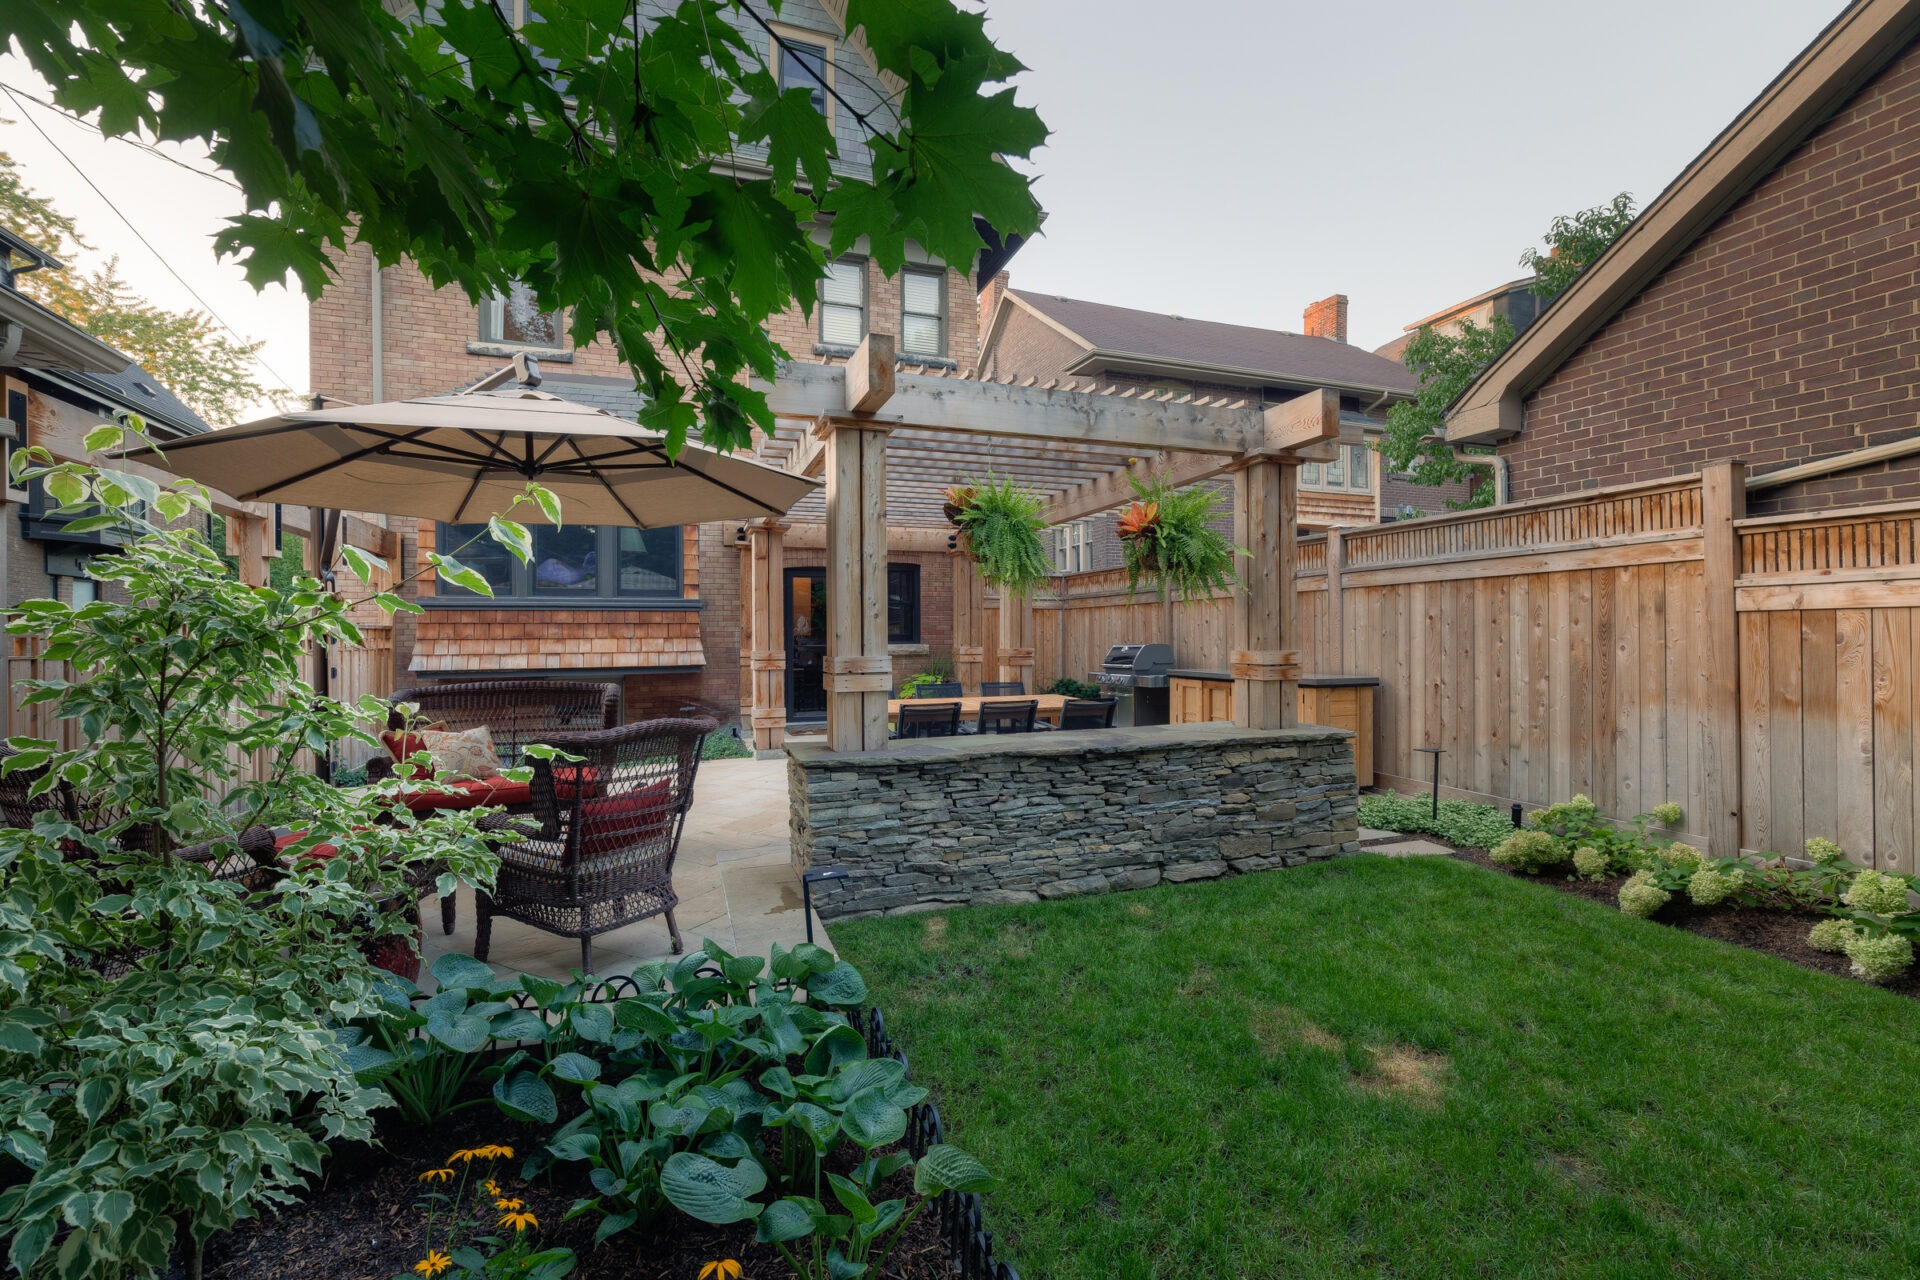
pixel 1402 1067
pixel 1477 826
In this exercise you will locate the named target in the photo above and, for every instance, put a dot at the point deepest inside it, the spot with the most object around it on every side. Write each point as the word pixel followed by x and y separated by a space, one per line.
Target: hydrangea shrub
pixel 1641 897
pixel 1874 891
pixel 1591 864
pixel 1831 936
pixel 1528 851
pixel 1879 957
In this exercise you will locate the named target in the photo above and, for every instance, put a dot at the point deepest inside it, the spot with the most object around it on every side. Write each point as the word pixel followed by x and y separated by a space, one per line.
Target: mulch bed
pixel 1778 933
pixel 361 1222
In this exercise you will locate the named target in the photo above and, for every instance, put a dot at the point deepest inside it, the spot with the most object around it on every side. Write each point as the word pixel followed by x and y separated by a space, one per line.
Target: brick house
pixel 656 610
pixel 1765 307
pixel 1046 337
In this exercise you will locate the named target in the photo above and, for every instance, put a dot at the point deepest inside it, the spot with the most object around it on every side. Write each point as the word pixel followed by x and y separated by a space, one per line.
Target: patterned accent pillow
pixel 467 754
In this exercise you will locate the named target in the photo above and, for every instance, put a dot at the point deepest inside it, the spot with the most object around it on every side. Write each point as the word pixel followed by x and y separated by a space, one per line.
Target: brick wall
pixel 1789 332
pixel 427 333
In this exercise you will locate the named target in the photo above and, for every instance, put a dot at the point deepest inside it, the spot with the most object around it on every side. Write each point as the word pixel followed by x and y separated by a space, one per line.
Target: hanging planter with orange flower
pixel 1000 524
pixel 1167 537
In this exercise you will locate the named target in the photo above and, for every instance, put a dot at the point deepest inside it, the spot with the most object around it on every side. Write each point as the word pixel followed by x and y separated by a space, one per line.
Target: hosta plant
pixel 853 1236
pixel 1167 537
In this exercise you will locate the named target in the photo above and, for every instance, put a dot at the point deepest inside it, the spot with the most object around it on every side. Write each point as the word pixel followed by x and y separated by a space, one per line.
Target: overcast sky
pixel 1224 159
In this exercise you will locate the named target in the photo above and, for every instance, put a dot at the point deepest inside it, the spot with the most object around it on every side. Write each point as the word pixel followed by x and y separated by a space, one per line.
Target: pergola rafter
pixel 889 445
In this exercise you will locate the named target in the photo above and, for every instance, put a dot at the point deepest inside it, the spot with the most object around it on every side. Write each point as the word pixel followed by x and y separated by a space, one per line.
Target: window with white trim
pixel 843 303
pixel 1073 547
pixel 514 319
pixel 804 61
pixel 923 313
pixel 1350 472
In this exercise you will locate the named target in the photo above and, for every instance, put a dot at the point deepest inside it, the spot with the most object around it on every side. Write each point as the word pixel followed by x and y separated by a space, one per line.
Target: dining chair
pixel 936 720
pixel 1006 717
pixel 1002 688
pixel 1088 713
pixel 939 691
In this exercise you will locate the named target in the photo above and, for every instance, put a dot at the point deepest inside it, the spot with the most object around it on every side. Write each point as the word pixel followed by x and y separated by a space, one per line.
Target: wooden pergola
pixel 888 446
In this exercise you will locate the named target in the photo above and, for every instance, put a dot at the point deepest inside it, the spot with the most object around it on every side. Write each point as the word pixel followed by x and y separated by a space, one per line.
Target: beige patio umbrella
pixel 464 457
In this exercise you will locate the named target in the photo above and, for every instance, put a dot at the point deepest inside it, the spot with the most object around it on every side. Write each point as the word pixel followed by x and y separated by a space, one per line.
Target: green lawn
pixel 1410 1067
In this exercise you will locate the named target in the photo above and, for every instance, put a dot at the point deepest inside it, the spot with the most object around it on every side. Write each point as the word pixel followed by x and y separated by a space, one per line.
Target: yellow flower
pixel 437 1175
pixel 508 1203
pixel 433 1264
pixel 493 1188
pixel 518 1221
pixel 463 1156
pixel 721 1269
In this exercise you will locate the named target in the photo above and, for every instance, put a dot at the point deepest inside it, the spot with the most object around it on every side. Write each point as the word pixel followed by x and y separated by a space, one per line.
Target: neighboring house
pixel 656 610
pixel 58 383
pixel 1762 308
pixel 1046 337
pixel 1520 306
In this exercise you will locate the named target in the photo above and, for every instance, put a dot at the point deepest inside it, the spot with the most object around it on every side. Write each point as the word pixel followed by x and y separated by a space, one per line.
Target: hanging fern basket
pixel 999 527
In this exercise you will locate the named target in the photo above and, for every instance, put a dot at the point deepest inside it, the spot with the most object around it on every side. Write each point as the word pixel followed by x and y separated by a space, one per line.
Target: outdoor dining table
pixel 1051 705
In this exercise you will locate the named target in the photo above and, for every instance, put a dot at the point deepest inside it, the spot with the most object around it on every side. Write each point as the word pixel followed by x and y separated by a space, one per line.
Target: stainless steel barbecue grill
pixel 1136 675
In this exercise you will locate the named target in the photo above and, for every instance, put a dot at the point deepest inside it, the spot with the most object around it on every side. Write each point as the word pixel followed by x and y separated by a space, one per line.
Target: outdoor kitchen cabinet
pixel 1339 702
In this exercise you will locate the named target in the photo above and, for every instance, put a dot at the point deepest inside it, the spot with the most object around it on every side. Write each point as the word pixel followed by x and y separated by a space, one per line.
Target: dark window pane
pixel 804 66
pixel 470 545
pixel 649 562
pixel 903 604
pixel 566 560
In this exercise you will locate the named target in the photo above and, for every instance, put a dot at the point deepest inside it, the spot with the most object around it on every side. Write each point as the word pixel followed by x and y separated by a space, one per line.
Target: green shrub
pixel 1831 935
pixel 1710 886
pixel 722 745
pixel 1883 895
pixel 1473 826
pixel 1071 688
pixel 1683 856
pixel 1668 814
pixel 1528 851
pixel 1879 957
pixel 1823 852
pixel 1640 896
pixel 1590 864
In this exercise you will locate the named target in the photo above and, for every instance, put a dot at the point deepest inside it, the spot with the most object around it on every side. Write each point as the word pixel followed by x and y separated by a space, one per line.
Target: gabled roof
pixel 1150 342
pixel 132 390
pixel 1853 49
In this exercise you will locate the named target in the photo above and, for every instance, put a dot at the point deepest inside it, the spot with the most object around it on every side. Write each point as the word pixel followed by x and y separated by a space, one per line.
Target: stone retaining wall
pixel 997 819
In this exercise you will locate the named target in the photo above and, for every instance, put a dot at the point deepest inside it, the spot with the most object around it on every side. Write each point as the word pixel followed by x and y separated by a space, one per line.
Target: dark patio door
pixel 806 644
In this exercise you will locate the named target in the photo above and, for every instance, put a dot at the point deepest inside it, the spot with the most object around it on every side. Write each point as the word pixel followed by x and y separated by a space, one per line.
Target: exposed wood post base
pixel 859 672
pixel 1263 660
pixel 969 623
pixel 1016 640
pixel 767 656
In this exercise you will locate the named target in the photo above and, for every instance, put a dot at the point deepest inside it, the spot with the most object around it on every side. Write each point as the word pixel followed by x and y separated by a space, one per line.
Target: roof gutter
pixel 78 350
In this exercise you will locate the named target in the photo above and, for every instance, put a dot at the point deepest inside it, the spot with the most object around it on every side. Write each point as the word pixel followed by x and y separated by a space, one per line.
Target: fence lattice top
pixel 1559 522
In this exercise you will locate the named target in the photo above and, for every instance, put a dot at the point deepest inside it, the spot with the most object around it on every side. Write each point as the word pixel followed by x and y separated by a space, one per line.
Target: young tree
pixel 212 373
pixel 1446 363
pixel 592 153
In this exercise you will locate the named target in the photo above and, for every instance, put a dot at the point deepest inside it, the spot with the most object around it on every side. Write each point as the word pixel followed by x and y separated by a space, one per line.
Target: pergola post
pixel 859 672
pixel 766 541
pixel 746 636
pixel 1264 661
pixel 1016 638
pixel 969 623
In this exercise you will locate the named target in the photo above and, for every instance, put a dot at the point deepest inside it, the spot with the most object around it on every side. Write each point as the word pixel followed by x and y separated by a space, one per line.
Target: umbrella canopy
pixel 465 457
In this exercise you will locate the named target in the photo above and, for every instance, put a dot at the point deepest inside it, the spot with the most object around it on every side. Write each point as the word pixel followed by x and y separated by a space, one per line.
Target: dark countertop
pixel 1307 681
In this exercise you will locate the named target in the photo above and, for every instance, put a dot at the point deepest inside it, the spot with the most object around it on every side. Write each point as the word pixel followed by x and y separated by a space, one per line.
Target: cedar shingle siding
pixel 1789 332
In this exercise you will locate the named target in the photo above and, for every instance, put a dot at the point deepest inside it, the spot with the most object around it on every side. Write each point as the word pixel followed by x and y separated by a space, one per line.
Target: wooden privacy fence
pixel 1637 645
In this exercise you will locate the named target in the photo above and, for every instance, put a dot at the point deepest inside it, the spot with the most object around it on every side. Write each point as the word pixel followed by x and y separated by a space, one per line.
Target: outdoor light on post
pixel 1436 753
pixel 810 878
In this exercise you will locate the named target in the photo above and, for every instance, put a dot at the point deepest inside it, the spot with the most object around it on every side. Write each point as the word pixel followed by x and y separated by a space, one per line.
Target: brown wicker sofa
pixel 609 832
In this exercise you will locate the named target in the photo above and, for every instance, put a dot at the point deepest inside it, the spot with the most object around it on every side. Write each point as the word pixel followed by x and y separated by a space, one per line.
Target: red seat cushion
pixel 319 852
pixel 571 780
pixel 616 822
pixel 470 793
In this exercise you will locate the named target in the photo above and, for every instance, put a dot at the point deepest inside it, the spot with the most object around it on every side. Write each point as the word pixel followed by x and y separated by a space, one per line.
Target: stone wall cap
pixel 1145 740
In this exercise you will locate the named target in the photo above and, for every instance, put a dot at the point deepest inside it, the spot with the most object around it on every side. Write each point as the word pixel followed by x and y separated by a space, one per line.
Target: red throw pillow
pixel 617 822
pixel 403 745
pixel 576 780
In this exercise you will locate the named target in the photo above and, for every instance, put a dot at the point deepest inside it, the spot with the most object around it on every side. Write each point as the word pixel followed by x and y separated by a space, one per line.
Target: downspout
pixel 1502 473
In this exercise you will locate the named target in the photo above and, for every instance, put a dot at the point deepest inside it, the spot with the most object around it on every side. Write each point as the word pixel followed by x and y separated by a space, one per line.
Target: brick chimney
pixel 1327 318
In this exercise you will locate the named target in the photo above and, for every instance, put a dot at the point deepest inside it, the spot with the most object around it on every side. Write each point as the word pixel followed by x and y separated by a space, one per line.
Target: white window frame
pixel 490 315
pixel 859 265
pixel 776 54
pixel 1073 549
pixel 939 278
pixel 1356 464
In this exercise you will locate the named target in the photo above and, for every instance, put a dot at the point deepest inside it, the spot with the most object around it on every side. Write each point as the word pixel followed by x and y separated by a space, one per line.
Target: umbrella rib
pixel 479 474
pixel 716 481
pixel 311 472
pixel 607 485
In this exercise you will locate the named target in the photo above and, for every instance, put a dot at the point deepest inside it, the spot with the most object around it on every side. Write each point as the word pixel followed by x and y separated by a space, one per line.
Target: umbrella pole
pixel 325 526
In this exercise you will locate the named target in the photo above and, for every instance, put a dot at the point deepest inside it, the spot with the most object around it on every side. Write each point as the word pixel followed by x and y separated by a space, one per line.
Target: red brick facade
pixel 425 350
pixel 1789 332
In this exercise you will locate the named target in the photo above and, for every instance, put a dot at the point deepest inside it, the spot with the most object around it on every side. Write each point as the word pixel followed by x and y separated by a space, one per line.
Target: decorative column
pixel 1263 660
pixel 746 639
pixel 859 672
pixel 969 622
pixel 1016 638
pixel 766 542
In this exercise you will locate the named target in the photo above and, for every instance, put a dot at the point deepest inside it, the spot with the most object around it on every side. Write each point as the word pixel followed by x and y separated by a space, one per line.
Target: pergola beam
pixel 1113 489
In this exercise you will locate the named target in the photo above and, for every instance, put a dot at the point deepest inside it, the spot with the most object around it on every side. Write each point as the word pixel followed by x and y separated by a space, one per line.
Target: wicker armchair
pixel 518 713
pixel 605 854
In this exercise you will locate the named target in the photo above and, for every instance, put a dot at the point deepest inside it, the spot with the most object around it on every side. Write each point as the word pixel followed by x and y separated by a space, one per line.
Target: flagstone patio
pixel 734 875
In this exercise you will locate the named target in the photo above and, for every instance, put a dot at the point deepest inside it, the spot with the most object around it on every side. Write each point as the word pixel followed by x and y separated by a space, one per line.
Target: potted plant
pixel 1000 523
pixel 1167 536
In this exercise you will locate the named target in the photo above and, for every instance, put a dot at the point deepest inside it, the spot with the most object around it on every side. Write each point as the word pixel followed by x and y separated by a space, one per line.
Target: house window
pixel 923 313
pixel 514 319
pixel 843 303
pixel 903 604
pixel 600 563
pixel 17 415
pixel 804 62
pixel 1351 471
pixel 1073 547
